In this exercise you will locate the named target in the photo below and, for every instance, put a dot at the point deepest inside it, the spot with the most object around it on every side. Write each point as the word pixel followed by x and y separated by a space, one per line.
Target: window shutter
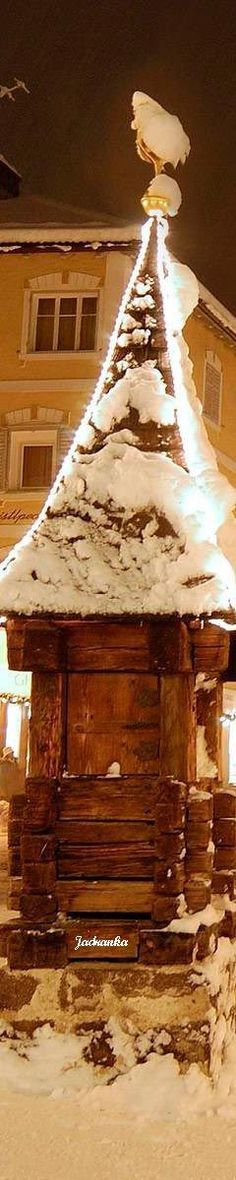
pixel 212 391
pixel 3 457
pixel 65 439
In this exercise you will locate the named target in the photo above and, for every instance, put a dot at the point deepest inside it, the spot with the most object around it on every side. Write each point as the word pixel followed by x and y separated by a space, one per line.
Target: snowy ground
pixel 41 1137
pixel 150 1123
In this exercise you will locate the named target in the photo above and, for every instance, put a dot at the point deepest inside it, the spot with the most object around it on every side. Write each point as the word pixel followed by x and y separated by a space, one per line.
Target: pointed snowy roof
pixel 138 521
pixel 135 523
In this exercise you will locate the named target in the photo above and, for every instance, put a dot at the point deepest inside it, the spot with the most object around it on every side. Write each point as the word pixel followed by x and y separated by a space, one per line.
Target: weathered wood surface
pixel 14 832
pixel 210 648
pixel 199 862
pixel 14 862
pixel 130 860
pixel 93 753
pixel 47 725
pixel 225 833
pixel 165 907
pixel 170 791
pixel 108 645
pixel 95 832
pixel 197 891
pixel 38 849
pixel 112 718
pixel 198 835
pixel 35 644
pixel 177 727
pixel 169 877
pixel 134 897
pixel 169 818
pixel 38 900
pixel 16 807
pixel 14 891
pixel 39 878
pixel 130 798
pixel 29 949
pixel 105 932
pixel 224 804
pixel 163 947
pixel 40 816
pixel 162 645
pixel 38 907
pixel 169 846
pixel 15 827
pixel 225 858
pixel 199 807
pixel 170 646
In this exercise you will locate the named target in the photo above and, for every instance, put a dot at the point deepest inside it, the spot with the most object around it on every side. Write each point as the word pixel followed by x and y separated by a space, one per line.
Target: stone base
pixel 124 1012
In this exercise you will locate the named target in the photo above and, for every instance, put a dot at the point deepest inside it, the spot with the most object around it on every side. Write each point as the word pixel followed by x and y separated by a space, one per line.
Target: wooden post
pixel 38 901
pixel 47 725
pixel 178 727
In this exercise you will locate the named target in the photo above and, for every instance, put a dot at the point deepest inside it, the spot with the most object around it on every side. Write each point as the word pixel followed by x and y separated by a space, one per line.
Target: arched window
pixel 61 313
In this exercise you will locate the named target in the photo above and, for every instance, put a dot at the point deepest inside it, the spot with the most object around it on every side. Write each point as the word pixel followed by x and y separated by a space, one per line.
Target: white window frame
pixel 63 294
pixel 71 283
pixel 211 358
pixel 31 438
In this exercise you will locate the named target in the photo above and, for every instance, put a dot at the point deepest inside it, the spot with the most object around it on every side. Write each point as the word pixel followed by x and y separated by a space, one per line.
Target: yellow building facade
pixel 62 275
pixel 211 336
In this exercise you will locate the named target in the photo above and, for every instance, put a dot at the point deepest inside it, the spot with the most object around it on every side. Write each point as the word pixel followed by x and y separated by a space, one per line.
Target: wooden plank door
pixel 112 717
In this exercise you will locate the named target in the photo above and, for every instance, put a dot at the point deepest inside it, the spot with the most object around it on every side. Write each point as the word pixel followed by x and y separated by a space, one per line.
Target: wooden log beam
pixel 105 832
pixel 163 947
pixel 115 897
pixel 105 645
pixel 197 892
pixel 125 860
pixel 34 645
pixel 30 949
pixel 210 646
pixel 131 797
pixel 170 647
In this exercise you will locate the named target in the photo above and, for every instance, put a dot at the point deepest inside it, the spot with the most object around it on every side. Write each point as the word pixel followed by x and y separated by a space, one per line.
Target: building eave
pixel 53 234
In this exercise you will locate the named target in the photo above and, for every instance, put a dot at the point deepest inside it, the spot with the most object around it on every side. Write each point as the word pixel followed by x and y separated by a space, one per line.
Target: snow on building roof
pixel 33 218
pixel 219 315
pixel 138 521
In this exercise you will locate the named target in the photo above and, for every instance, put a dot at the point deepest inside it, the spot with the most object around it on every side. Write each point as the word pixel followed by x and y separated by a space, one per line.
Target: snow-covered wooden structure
pixel 110 602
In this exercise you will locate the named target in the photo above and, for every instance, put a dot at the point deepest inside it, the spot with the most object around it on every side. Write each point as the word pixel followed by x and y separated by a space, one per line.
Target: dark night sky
pixel 71 138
